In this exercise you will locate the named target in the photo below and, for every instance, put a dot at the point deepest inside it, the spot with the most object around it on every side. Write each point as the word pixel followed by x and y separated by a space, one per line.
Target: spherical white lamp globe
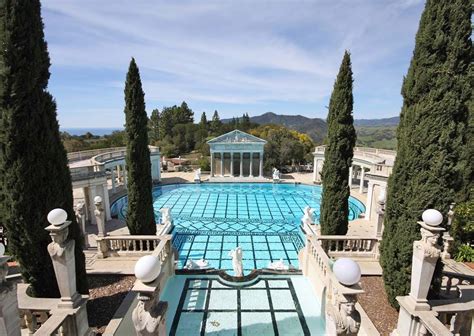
pixel 382 196
pixel 57 216
pixel 2 250
pixel 97 199
pixel 347 271
pixel 432 217
pixel 147 268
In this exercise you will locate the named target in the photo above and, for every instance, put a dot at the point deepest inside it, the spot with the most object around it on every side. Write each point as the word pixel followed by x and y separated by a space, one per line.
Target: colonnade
pixel 233 163
pixel 360 173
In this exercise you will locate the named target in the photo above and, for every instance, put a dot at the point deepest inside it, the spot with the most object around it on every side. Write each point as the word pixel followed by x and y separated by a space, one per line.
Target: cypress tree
pixel 34 176
pixel 431 134
pixel 338 154
pixel 216 123
pixel 140 215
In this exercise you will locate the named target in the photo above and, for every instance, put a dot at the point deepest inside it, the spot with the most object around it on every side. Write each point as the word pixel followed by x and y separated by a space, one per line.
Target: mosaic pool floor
pixel 274 305
pixel 213 218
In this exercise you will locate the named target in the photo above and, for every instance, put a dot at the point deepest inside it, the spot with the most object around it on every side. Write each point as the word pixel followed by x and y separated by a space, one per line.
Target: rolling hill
pixel 371 132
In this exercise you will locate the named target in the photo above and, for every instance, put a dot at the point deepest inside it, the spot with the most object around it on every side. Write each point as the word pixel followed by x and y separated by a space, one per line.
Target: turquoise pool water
pixel 212 218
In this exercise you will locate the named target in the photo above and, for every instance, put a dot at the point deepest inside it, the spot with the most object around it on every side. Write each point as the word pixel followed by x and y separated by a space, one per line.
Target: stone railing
pixel 129 245
pixel 54 324
pixel 342 314
pixel 87 154
pixel 115 154
pixel 455 274
pixel 148 316
pixel 449 317
pixel 350 246
pixel 362 151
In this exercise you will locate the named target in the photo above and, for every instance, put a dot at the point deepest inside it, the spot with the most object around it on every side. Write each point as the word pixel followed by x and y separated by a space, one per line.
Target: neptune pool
pixel 212 218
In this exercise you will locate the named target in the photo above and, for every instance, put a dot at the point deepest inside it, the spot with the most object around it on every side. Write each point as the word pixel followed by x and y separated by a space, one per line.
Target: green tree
pixel 34 173
pixel 338 154
pixel 183 114
pixel 216 123
pixel 431 134
pixel 140 216
pixel 203 122
pixel 154 125
pixel 166 123
pixel 245 122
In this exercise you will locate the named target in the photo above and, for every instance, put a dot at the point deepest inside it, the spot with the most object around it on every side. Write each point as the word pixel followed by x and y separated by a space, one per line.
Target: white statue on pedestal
pixel 308 217
pixel 276 174
pixel 165 215
pixel 197 175
pixel 236 255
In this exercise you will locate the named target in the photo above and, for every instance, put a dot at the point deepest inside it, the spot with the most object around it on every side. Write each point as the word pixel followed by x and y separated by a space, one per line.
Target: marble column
pixel 315 170
pixel 241 164
pixel 361 186
pixel 222 163
pixel 368 205
pixel 251 165
pixel 108 215
pixel 212 164
pixel 350 176
pixel 261 165
pixel 125 175
pixel 113 180
pixel 119 174
pixel 232 164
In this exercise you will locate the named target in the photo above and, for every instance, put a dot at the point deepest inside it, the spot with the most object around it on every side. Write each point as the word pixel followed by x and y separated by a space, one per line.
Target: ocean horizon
pixel 95 131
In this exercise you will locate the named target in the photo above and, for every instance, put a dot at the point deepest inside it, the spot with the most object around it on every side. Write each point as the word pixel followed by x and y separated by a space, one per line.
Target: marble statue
pixel 278 265
pixel 197 175
pixel 308 217
pixel 276 174
pixel 165 215
pixel 81 219
pixel 200 264
pixel 236 255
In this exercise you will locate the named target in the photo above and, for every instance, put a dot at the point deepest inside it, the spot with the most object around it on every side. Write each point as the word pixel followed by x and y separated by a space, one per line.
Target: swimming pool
pixel 212 218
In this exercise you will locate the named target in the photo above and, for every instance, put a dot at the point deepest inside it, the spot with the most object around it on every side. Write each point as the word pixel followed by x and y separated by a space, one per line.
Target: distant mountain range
pixel 316 128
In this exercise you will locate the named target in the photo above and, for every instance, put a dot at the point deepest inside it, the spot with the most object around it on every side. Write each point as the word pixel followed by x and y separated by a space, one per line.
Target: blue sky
pixel 233 56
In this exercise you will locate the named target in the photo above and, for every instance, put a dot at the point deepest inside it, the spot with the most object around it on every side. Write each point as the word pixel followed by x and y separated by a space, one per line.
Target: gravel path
pixel 375 303
pixel 106 294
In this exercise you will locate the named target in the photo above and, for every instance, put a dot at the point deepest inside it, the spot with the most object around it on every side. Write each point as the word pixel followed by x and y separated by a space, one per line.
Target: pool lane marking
pixel 270 305
pixel 298 308
pixel 179 308
pixel 206 312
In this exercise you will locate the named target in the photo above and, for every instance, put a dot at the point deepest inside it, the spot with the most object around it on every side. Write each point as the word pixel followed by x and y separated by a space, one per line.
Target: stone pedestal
pixel 61 251
pixel 9 314
pixel 425 256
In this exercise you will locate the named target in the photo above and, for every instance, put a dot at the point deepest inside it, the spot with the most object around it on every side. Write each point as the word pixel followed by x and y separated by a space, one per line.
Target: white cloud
pixel 231 52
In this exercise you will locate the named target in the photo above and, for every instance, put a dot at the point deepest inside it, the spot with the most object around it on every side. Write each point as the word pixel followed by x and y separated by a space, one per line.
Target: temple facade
pixel 237 154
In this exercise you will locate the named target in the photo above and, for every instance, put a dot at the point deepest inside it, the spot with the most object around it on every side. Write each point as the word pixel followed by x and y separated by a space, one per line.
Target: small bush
pixel 465 253
pixel 204 164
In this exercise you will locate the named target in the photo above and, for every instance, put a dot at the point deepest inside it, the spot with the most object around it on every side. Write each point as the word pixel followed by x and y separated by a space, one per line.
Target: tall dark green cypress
pixel 338 154
pixel 431 134
pixel 140 216
pixel 34 176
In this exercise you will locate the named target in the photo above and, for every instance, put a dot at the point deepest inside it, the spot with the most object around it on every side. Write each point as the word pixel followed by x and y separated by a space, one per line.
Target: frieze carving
pixel 428 244
pixel 346 318
pixel 148 315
